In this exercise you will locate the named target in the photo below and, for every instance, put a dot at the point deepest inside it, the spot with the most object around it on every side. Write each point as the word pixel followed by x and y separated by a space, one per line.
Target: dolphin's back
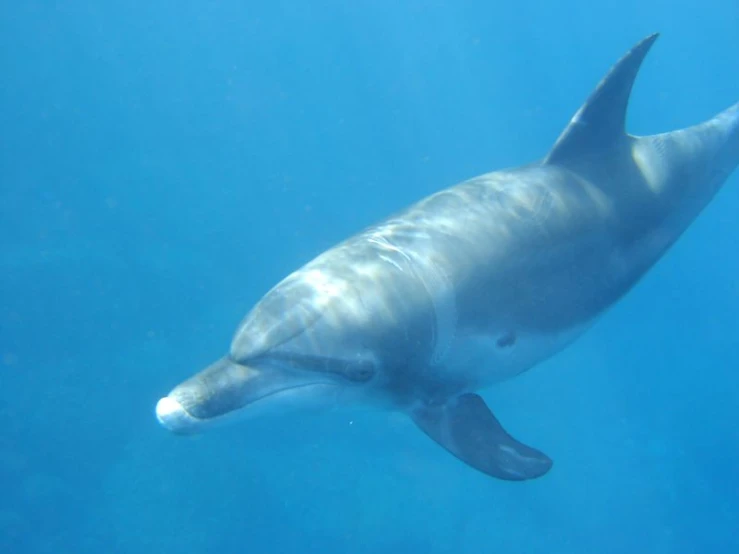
pixel 549 246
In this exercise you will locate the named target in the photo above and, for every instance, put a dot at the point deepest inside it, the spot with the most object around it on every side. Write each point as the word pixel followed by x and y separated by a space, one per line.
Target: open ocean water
pixel 162 164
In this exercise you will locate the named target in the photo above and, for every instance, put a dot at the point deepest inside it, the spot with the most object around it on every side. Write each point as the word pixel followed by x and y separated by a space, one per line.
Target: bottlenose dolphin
pixel 474 284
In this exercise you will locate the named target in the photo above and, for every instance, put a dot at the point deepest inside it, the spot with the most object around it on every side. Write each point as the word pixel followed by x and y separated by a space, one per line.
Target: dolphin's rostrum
pixel 474 284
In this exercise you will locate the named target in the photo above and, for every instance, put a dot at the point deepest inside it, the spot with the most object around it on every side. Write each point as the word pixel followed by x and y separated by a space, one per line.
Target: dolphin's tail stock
pixel 698 159
pixel 727 122
pixel 720 139
pixel 732 118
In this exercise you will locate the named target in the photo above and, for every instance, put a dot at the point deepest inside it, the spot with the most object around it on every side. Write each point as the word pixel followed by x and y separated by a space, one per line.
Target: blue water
pixel 163 164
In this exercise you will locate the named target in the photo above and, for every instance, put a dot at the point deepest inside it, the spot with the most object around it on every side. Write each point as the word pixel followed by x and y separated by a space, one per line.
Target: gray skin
pixel 472 285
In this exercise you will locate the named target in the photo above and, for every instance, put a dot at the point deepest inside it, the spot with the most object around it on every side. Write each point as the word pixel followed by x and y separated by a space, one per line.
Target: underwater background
pixel 163 164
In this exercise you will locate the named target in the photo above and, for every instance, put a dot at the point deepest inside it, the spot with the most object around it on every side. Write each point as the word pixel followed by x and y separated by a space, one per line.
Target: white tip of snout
pixel 173 416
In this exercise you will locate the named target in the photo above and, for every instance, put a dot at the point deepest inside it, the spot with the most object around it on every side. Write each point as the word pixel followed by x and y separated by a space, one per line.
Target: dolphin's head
pixel 304 344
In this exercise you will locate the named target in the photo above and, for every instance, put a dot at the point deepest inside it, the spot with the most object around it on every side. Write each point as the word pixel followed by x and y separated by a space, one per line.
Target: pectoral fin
pixel 467 428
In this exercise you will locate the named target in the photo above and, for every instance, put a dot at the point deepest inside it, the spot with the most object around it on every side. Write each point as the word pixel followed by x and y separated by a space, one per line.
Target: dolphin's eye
pixel 506 340
pixel 360 372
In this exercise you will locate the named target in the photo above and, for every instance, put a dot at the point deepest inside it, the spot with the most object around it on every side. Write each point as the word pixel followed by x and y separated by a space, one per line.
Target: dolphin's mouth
pixel 227 388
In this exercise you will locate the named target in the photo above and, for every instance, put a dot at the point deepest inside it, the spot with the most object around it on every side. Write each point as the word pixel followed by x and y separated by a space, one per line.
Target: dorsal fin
pixel 600 122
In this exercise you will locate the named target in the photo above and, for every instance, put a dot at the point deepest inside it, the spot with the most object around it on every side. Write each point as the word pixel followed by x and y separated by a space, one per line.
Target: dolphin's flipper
pixel 467 428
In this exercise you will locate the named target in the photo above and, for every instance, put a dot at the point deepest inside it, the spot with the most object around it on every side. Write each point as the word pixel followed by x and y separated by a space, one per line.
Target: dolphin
pixel 472 285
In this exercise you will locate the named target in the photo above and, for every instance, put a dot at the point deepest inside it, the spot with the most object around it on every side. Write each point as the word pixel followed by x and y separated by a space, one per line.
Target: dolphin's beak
pixel 173 417
pixel 216 391
pixel 226 387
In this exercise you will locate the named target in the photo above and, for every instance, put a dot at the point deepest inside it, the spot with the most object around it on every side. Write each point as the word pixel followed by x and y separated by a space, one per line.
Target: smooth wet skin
pixel 472 285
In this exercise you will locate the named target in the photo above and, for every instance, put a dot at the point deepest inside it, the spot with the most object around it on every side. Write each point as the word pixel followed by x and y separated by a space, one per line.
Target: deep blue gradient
pixel 163 164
